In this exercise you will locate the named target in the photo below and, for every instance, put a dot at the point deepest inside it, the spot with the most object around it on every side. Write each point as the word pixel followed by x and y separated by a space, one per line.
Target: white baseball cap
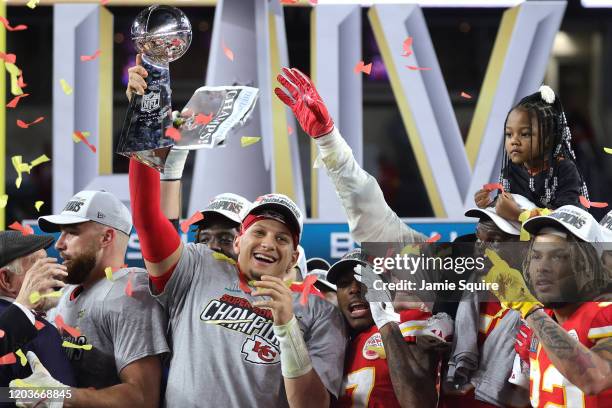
pixel 98 206
pixel 232 206
pixel 606 227
pixel 509 227
pixel 322 278
pixel 569 218
pixel 352 258
pixel 281 207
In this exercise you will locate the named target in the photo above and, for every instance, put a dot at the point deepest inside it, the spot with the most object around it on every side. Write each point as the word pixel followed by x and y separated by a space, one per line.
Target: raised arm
pixel 369 216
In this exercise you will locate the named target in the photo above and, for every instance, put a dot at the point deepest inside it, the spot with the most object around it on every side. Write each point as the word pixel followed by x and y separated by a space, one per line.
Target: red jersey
pixel 366 381
pixel 591 322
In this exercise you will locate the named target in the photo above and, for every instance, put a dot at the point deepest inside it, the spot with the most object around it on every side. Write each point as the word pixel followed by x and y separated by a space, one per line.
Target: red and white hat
pixel 278 207
pixel 509 227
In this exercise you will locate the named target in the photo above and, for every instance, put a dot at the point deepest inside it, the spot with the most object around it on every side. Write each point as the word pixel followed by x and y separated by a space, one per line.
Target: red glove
pixel 305 102
pixel 523 342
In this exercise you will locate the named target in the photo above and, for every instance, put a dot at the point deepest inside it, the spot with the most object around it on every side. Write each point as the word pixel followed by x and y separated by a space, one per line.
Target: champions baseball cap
pixel 352 258
pixel 14 244
pixel 568 218
pixel 278 207
pixel 606 227
pixel 321 275
pixel 232 206
pixel 98 206
pixel 317 263
pixel 509 227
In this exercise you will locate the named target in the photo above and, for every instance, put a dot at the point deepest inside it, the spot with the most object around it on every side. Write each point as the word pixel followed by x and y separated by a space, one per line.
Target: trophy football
pixel 161 34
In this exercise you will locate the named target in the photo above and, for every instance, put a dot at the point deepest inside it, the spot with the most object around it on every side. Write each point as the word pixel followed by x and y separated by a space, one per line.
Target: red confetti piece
pixel 202 119
pixel 243 283
pixel 313 2
pixel 228 53
pixel 25 125
pixel 61 325
pixel 13 103
pixel 83 139
pixel 1 333
pixel 8 359
pixel 197 216
pixel 39 325
pixel 407 46
pixel 466 95
pixel 10 58
pixel 20 81
pixel 306 288
pixel 129 290
pixel 493 186
pixel 289 130
pixel 8 27
pixel 25 229
pixel 104 2
pixel 288 1
pixel 415 68
pixel 173 133
pixel 588 204
pixel 91 57
pixel 360 67
pixel 435 238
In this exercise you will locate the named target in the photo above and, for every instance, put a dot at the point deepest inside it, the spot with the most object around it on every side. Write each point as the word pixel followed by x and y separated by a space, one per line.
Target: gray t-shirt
pixel 121 328
pixel 224 350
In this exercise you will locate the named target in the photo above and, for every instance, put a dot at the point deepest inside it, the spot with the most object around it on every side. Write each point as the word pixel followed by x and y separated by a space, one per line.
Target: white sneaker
pixel 437 334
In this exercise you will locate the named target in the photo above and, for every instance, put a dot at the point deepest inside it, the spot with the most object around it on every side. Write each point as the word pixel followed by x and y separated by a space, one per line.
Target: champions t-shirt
pixel 224 349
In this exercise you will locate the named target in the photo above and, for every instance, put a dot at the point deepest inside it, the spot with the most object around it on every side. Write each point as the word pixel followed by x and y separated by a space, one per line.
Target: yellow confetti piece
pixel 14 71
pixel 22 358
pixel 108 271
pixel 20 167
pixel 608 150
pixel 248 140
pixel 32 3
pixel 378 350
pixel 221 257
pixel 38 204
pixel 67 344
pixel 65 87
pixel 35 297
pixel 3 200
pixel 76 139
pixel 411 250
pixel 39 160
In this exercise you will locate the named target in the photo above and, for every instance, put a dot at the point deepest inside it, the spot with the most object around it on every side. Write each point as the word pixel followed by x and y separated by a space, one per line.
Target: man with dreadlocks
pixel 570 353
pixel 538 161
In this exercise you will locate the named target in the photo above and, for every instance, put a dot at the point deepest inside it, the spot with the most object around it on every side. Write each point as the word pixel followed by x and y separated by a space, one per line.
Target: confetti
pixel 25 229
pixel 249 140
pixel 25 125
pixel 65 87
pixel 228 53
pixel 35 296
pixel 108 271
pixel 222 257
pixel 20 81
pixel 197 216
pixel 76 139
pixel 360 67
pixel 466 95
pixel 104 2
pixel 129 290
pixel 38 204
pixel 13 103
pixel 39 325
pixel 289 130
pixel 288 1
pixel 407 47
pixel 91 57
pixel 61 325
pixel 20 168
pixel 313 2
pixel 588 204
pixel 380 351
pixel 32 3
pixel 8 58
pixel 493 186
pixel 39 160
pixel 22 358
pixel 8 359
pixel 81 137
pixel 67 344
pixel 202 119
pixel 173 133
pixel 242 283
pixel 8 27
pixel 608 150
pixel 14 72
pixel 415 68
pixel 3 200
pixel 435 238
pixel 305 288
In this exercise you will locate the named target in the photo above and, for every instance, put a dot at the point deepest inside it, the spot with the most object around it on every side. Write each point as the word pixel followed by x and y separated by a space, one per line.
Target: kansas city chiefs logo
pixel 258 350
pixel 372 346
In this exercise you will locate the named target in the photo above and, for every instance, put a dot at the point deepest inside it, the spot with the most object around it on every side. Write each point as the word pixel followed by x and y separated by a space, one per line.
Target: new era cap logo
pixel 100 215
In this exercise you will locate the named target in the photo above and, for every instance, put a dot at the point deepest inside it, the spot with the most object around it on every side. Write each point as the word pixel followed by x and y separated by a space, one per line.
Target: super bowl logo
pixel 372 346
pixel 150 102
pixel 258 350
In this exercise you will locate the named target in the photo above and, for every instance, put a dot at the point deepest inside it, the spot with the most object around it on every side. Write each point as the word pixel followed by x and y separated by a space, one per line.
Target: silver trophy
pixel 161 34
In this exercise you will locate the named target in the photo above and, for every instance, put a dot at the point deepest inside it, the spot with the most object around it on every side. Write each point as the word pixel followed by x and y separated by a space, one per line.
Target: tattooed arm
pixel 590 370
pixel 412 370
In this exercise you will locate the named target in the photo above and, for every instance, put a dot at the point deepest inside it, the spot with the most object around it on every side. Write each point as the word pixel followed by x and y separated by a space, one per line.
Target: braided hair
pixel 555 136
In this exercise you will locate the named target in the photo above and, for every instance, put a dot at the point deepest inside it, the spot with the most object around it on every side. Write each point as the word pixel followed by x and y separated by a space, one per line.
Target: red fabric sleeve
pixel 158 238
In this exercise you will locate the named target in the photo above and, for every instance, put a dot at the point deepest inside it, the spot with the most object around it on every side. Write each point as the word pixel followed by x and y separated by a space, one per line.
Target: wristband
pixel 174 165
pixel 295 361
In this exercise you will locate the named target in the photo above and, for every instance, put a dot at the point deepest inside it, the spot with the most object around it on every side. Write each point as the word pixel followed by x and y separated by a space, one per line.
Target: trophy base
pixel 155 158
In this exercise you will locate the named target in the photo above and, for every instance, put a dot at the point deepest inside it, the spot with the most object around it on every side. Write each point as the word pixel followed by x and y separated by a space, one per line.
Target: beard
pixel 80 267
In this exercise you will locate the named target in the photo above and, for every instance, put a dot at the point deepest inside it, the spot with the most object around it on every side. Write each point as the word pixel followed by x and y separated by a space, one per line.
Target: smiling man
pixel 240 336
